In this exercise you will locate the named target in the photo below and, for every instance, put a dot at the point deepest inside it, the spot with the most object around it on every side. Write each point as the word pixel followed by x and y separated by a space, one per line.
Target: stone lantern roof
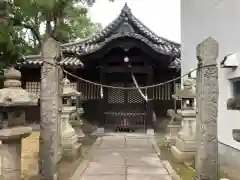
pixel 68 90
pixel 13 94
pixel 188 91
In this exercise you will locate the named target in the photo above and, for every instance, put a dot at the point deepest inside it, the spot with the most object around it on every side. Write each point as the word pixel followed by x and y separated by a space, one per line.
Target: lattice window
pixel 116 96
pixel 135 97
pixel 89 91
pixel 33 87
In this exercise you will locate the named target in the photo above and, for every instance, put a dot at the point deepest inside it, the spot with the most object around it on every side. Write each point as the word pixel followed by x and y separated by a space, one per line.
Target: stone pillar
pixel 207 111
pixel 59 137
pixel 49 134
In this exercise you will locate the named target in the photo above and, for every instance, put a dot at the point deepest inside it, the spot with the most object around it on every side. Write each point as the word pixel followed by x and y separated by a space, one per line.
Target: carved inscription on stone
pixel 207 84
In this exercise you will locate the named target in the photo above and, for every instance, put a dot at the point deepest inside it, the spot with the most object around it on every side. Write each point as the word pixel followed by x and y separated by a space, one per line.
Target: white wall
pixel 221 20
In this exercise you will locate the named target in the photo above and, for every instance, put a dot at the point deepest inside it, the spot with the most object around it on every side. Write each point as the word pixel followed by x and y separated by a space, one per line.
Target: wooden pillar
pixel 149 122
pixel 207 111
pixel 102 99
pixel 78 103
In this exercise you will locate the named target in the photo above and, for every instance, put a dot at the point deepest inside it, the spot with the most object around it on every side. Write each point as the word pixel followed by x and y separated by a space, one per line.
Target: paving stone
pixel 146 170
pixel 119 161
pixel 103 177
pixel 109 152
pixel 142 146
pixel 124 157
pixel 111 146
pixel 139 154
pixel 95 168
pixel 147 177
pixel 145 160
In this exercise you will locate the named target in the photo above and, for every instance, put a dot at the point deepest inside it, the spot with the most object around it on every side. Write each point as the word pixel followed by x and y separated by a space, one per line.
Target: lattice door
pixel 116 96
pixel 125 109
pixel 134 97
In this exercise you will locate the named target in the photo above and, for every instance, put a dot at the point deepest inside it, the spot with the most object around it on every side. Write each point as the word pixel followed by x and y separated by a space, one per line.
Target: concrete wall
pixel 221 20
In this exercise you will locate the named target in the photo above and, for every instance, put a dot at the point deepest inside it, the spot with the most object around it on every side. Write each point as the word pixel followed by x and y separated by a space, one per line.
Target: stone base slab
pixel 184 157
pixel 150 132
pixel 169 141
pixel 99 131
pixel 185 146
pixel 72 154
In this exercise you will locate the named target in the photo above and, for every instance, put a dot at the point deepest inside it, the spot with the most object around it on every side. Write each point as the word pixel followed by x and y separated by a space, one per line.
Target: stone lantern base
pixel 172 130
pixel 184 151
pixel 71 147
pixel 11 151
pixel 77 126
pixel 183 156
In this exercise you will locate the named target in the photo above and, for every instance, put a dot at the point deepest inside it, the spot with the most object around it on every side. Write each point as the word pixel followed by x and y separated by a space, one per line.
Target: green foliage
pixel 62 19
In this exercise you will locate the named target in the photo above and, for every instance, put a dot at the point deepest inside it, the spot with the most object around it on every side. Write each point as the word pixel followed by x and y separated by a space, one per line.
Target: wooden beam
pixel 125 69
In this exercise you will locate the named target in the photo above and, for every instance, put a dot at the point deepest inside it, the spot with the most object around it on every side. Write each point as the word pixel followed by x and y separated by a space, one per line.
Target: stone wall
pixel 229 161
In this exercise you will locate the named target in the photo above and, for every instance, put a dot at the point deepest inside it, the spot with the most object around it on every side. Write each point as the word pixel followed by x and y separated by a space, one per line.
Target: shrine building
pixel 126 46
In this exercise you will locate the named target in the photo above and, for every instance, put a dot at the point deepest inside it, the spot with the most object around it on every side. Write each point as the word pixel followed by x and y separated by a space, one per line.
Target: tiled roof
pixel 66 61
pixel 176 63
pixel 86 48
pixel 134 29
pixel 91 44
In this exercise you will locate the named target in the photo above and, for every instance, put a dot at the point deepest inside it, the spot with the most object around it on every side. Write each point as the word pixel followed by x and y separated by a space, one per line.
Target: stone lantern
pixel 70 144
pixel 188 95
pixel 13 99
pixel 185 147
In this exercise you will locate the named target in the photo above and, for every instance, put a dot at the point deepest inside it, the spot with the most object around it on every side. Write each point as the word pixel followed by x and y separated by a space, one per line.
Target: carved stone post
pixel 207 111
pixel 59 137
pixel 49 131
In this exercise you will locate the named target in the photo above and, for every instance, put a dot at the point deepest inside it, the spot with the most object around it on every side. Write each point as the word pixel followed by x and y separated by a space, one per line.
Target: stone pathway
pixel 125 157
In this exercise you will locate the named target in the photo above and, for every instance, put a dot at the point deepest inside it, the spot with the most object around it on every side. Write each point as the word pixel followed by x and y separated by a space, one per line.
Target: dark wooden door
pixel 125 108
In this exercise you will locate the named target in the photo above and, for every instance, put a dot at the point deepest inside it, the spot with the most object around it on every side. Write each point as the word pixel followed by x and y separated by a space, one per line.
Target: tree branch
pixel 17 22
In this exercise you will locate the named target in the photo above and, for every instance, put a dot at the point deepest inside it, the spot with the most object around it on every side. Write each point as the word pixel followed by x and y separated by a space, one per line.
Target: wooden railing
pixel 91 92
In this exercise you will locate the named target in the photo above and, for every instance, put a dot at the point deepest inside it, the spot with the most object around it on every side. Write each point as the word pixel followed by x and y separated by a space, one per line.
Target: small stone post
pixel 49 125
pixel 207 111
pixel 13 99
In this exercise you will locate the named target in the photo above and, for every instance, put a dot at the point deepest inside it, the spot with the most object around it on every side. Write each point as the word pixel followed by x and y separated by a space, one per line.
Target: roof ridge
pixel 125 12
pixel 118 18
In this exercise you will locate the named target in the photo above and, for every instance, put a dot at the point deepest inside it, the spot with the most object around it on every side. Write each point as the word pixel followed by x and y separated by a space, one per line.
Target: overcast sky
pixel 161 16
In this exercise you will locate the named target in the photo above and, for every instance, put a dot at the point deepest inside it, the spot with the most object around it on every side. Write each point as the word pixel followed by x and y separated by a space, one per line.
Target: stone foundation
pixel 184 151
pixel 183 156
pixel 229 161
